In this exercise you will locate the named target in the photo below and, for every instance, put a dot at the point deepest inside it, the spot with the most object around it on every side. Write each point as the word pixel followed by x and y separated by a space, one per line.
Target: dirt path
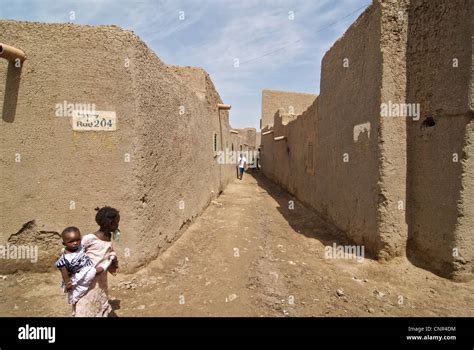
pixel 250 255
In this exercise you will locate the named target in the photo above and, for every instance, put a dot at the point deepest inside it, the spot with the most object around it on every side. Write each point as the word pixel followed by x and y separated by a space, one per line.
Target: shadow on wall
pixel 302 219
pixel 434 179
pixel 12 87
pixel 433 192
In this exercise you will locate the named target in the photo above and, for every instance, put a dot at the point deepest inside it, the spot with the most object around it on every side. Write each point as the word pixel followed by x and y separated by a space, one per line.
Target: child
pixel 77 269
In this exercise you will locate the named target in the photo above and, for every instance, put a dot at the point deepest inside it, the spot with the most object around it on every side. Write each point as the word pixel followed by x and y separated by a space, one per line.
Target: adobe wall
pixel 172 172
pixel 266 153
pixel 392 172
pixel 350 95
pixel 322 161
pixel 290 102
pixel 248 136
pixel 399 190
pixel 440 182
pixel 62 174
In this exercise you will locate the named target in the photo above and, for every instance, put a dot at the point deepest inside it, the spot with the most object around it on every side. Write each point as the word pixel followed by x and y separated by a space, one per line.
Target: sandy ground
pixel 250 255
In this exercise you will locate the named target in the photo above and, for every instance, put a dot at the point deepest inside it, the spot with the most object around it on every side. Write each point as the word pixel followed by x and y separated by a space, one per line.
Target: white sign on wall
pixel 94 120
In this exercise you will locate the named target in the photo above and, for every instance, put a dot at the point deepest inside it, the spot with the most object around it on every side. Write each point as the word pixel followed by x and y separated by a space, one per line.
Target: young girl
pixel 97 245
pixel 77 269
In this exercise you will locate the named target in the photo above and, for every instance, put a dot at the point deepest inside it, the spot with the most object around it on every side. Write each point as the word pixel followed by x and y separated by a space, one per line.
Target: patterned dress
pixel 81 272
pixel 96 302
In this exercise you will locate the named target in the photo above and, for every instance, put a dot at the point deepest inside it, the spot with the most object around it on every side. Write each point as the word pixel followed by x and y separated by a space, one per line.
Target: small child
pixel 77 269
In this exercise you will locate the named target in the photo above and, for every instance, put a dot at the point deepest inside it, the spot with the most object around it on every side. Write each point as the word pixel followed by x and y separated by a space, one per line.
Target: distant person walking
pixel 242 164
pixel 258 159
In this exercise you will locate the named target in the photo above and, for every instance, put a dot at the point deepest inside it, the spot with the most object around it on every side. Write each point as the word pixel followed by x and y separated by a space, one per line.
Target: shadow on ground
pixel 302 218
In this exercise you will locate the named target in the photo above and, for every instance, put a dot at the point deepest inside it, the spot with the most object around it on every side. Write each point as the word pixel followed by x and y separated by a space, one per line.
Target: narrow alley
pixel 253 252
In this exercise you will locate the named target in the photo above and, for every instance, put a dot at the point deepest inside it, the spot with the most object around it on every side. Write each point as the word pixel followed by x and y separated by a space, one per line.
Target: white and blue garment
pixel 81 270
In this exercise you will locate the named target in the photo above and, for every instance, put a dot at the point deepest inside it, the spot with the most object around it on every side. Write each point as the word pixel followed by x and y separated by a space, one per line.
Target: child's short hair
pixel 70 229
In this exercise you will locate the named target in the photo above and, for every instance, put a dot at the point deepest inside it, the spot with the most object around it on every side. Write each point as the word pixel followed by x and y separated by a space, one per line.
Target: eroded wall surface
pixel 325 159
pixel 440 183
pixel 389 181
pixel 158 168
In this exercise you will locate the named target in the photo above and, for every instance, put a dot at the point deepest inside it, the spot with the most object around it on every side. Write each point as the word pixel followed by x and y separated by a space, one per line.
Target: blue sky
pixel 275 49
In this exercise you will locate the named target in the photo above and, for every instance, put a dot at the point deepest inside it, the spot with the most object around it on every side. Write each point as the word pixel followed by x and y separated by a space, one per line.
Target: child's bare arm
pixel 66 279
pixel 114 266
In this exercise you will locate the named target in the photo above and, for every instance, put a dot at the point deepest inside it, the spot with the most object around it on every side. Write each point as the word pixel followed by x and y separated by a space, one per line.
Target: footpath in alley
pixel 252 252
